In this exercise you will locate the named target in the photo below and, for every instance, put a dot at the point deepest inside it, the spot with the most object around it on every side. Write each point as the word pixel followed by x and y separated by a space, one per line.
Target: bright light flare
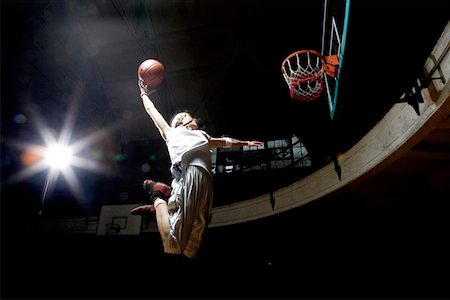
pixel 58 156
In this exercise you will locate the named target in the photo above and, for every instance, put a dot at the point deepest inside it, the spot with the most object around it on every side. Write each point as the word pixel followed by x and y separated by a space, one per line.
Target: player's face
pixel 189 122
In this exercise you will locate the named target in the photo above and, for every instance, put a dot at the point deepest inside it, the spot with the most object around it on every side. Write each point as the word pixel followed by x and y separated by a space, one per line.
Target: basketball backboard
pixel 117 220
pixel 336 14
pixel 310 73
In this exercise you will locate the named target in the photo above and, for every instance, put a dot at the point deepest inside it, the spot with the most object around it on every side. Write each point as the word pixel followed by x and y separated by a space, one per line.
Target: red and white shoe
pixel 157 190
pixel 143 210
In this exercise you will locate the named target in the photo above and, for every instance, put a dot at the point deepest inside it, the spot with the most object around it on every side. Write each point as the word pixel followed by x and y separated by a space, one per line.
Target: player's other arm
pixel 153 112
pixel 226 142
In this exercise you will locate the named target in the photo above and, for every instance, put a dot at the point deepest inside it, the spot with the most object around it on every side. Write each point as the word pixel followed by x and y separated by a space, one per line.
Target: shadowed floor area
pixel 344 246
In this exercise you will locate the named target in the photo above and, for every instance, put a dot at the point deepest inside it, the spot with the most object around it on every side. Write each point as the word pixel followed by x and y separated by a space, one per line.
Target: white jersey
pixel 188 147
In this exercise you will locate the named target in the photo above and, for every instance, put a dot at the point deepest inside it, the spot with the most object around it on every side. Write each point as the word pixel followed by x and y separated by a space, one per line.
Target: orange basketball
pixel 151 71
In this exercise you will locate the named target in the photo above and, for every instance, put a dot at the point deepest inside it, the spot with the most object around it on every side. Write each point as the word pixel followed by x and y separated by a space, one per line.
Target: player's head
pixel 184 119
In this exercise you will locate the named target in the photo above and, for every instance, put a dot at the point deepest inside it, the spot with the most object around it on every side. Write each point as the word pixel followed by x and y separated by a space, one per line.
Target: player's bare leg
pixel 162 218
pixel 159 194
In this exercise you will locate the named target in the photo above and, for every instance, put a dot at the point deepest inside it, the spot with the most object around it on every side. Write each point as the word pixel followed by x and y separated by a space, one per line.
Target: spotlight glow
pixel 58 156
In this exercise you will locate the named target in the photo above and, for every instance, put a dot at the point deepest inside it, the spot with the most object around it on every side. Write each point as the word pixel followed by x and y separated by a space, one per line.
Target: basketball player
pixel 183 210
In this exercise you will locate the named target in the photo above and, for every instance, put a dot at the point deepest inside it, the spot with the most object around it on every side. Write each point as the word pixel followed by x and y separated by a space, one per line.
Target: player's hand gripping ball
pixel 151 72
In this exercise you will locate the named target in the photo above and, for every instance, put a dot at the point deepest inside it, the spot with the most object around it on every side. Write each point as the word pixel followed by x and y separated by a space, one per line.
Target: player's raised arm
pixel 153 112
pixel 226 142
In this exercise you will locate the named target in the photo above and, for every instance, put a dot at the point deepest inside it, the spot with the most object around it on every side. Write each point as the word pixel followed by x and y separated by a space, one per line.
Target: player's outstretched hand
pixel 255 143
pixel 144 88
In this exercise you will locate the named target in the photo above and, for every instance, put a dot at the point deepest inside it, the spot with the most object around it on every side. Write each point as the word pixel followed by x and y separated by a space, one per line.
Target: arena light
pixel 58 156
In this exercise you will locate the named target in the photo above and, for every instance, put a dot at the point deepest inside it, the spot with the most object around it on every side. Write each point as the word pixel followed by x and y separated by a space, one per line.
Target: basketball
pixel 151 71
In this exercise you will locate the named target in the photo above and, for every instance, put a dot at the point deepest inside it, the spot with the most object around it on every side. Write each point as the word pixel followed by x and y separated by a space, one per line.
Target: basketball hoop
pixel 303 72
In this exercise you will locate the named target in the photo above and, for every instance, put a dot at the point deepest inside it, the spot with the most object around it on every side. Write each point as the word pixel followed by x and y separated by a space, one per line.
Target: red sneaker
pixel 157 189
pixel 143 210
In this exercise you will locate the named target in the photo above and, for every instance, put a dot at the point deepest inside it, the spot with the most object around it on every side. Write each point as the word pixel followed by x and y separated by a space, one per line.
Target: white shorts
pixel 190 207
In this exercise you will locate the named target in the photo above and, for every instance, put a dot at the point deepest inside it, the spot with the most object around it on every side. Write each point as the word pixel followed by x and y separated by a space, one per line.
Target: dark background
pixel 222 63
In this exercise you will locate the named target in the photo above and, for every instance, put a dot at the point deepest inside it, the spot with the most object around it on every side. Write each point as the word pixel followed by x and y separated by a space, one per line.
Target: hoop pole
pixel 341 55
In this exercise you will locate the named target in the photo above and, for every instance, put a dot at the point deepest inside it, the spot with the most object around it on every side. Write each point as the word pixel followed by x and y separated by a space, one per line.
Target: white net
pixel 303 72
